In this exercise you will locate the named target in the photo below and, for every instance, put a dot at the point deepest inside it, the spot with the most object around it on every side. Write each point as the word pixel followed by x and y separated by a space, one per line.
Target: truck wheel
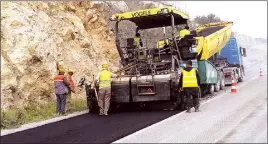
pixel 211 89
pixel 241 78
pixel 222 84
pixel 217 85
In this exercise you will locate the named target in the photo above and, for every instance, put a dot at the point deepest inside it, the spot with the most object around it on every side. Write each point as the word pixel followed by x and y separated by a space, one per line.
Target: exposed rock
pixel 37 34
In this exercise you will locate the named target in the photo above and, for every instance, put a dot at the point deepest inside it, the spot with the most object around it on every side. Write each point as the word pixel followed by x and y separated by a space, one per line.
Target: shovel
pixel 93 84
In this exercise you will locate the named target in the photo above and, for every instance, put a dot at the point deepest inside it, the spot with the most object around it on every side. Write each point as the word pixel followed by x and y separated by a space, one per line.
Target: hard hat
pixel 61 70
pixel 105 66
pixel 71 70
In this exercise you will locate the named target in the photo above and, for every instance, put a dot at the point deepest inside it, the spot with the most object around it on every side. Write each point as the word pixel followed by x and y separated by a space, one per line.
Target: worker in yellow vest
pixel 189 82
pixel 184 32
pixel 139 44
pixel 138 41
pixel 104 95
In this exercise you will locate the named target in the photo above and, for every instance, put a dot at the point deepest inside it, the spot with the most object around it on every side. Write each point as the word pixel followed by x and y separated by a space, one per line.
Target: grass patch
pixel 13 118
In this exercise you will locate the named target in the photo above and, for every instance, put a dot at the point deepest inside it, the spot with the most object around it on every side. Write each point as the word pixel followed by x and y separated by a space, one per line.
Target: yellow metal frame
pixel 147 12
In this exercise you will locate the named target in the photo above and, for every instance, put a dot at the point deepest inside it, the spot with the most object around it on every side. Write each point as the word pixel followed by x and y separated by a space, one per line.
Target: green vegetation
pixel 13 118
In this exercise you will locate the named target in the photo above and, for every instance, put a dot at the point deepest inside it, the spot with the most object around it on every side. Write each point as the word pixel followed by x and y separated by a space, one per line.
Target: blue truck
pixel 231 59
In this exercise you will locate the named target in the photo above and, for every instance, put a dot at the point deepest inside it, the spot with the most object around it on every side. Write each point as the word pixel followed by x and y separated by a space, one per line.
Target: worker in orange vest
pixel 61 90
pixel 71 88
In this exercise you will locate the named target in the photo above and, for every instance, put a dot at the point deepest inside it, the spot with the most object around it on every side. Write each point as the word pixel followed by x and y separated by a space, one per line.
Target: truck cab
pixel 233 55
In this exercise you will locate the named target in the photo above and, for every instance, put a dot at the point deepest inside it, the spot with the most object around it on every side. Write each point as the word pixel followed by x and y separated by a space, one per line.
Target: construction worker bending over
pixel 71 88
pixel 104 79
pixel 189 82
pixel 61 90
pixel 184 32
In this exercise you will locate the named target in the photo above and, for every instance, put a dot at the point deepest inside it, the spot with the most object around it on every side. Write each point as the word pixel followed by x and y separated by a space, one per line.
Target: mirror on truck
pixel 244 52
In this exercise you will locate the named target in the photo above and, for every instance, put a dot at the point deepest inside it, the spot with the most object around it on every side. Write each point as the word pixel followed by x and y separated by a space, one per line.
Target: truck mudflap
pixel 150 88
pixel 120 90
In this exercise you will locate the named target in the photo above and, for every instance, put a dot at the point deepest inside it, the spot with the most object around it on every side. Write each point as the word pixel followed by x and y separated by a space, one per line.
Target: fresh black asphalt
pixel 90 128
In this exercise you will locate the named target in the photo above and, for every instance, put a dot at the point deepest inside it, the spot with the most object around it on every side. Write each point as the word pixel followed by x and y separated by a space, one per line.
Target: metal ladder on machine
pixel 145 87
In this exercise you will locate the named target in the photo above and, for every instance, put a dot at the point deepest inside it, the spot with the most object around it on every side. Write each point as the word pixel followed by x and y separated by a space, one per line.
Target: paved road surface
pixel 95 129
pixel 240 117
pixel 89 128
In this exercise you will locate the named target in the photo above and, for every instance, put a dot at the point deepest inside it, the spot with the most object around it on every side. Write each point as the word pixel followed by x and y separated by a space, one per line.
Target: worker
pixel 71 89
pixel 138 41
pixel 104 95
pixel 61 90
pixel 189 82
pixel 139 44
pixel 184 32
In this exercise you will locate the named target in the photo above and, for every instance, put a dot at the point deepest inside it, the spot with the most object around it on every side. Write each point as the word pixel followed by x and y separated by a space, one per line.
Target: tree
pixel 206 19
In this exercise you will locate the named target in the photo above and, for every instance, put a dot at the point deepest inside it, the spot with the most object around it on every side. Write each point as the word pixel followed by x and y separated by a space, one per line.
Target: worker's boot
pixel 188 110
pixel 197 109
pixel 101 112
pixel 196 106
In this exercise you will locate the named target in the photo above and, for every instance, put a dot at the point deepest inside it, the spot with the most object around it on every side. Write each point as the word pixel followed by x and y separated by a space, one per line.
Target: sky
pixel 249 17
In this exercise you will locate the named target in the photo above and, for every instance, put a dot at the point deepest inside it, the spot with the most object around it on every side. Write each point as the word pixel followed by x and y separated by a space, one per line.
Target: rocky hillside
pixel 37 34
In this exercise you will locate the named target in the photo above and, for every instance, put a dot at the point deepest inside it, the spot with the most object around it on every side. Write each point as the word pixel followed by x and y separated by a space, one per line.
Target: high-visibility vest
pixel 189 78
pixel 105 78
pixel 70 79
pixel 137 41
pixel 60 87
pixel 184 32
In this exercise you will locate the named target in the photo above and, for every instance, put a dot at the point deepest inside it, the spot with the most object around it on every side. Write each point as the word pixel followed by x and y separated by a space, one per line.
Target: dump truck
pixel 154 78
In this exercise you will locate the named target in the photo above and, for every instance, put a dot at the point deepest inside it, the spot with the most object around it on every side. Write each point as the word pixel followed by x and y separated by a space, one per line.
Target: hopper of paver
pixel 204 41
pixel 211 38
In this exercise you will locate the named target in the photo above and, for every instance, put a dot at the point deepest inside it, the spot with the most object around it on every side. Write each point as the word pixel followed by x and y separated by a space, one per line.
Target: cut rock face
pixel 35 35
